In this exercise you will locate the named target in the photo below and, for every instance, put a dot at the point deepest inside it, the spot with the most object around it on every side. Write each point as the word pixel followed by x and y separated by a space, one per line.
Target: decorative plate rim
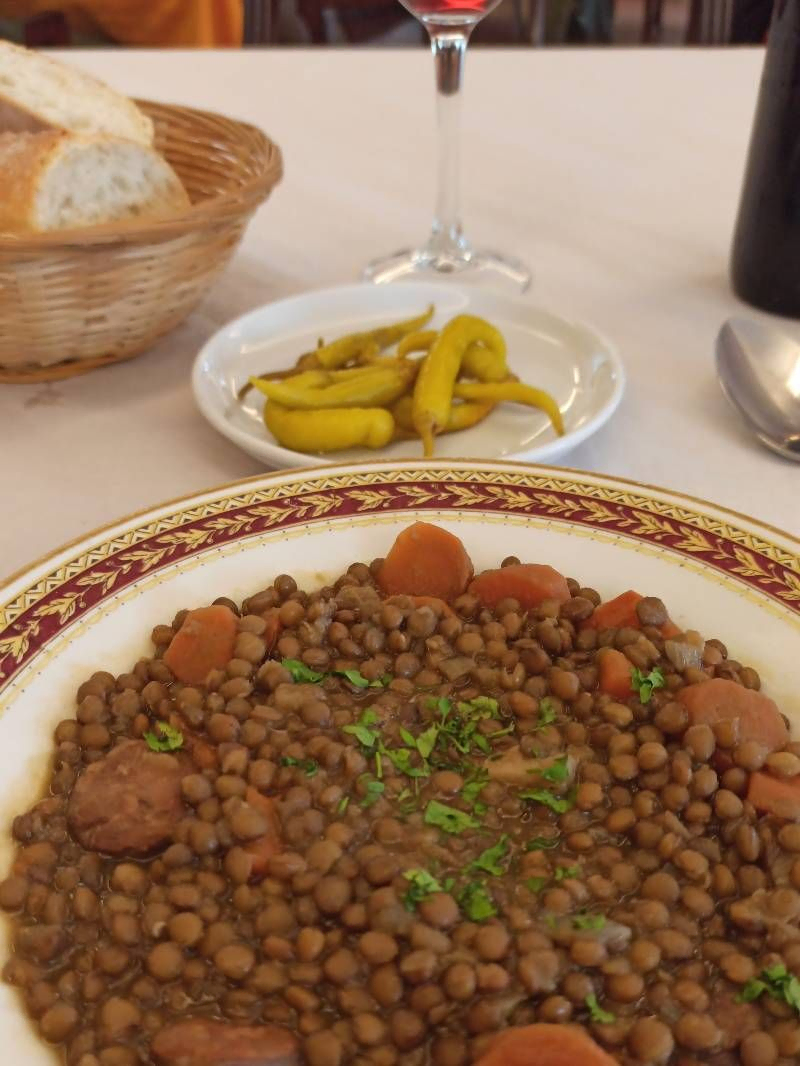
pixel 157 537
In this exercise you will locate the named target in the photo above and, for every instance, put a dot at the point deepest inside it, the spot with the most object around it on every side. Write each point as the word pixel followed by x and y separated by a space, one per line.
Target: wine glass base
pixel 473 266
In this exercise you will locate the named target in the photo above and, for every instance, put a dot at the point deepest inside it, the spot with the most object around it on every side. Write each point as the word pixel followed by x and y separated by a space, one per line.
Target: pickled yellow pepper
pixel 433 392
pixel 513 392
pixel 331 430
pixel 370 387
pixel 341 351
pixel 421 341
pixel 485 364
pixel 462 415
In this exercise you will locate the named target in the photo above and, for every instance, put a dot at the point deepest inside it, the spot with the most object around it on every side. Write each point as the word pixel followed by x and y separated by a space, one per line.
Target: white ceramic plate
pixel 570 360
pixel 92 604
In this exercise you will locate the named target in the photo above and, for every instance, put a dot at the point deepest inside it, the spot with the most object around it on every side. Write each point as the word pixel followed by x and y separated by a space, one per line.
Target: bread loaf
pixel 57 180
pixel 40 93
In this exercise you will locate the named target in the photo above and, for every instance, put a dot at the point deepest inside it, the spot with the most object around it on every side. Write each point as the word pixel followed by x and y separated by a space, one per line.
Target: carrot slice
pixel 426 560
pixel 269 844
pixel 530 583
pixel 775 796
pixel 545 1045
pixel 203 643
pixel 614 674
pixel 616 613
pixel 719 699
pixel 621 613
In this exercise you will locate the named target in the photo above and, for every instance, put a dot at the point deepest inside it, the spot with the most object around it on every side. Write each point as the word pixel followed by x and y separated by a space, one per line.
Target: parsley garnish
pixel 301 673
pixel 559 804
pixel 547 711
pixel 472 789
pixel 461 729
pixel 589 921
pixel 645 684
pixel 305 675
pixel 596 1012
pixel 407 801
pixel 422 884
pixel 542 844
pixel 373 791
pixel 170 739
pixel 491 859
pixel 449 819
pixel 535 884
pixel 355 677
pixel 363 729
pixel 777 982
pixel 476 902
pixel 310 766
pixel 341 806
pixel 557 771
pixel 566 873
pixel 401 760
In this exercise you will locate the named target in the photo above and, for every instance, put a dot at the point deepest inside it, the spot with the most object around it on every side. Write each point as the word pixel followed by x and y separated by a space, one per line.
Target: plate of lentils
pixel 465 765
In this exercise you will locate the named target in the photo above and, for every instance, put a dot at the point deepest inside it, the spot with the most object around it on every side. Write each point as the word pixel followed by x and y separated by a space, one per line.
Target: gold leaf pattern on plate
pixel 81 582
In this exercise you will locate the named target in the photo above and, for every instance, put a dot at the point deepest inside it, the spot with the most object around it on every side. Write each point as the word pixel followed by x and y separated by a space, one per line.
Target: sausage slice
pixel 129 802
pixel 204 1042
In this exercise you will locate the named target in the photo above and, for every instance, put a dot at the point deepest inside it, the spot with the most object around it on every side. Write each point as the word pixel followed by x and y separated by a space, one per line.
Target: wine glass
pixel 447 251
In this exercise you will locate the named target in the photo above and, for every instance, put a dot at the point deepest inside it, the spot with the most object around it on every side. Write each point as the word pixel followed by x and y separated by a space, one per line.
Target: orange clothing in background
pixel 172 23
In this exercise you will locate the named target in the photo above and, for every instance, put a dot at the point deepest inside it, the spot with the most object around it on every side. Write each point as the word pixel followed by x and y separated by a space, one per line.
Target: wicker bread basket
pixel 79 299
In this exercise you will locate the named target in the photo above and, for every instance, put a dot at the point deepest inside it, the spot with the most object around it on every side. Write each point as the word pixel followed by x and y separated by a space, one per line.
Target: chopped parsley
pixel 547 711
pixel 596 1012
pixel 646 684
pixel 373 790
pixel 166 738
pixel 355 677
pixel 542 844
pixel 535 884
pixel 421 885
pixel 557 771
pixel 401 760
pixel 407 801
pixel 342 805
pixel 364 729
pixel 589 922
pixel 777 982
pixel 559 804
pixel 309 766
pixel 475 902
pixel 472 790
pixel 301 673
pixel 450 819
pixel 304 675
pixel 460 727
pixel 566 873
pixel 491 860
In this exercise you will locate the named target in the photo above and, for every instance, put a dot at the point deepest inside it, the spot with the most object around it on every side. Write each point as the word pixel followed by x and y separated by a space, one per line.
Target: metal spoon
pixel 759 370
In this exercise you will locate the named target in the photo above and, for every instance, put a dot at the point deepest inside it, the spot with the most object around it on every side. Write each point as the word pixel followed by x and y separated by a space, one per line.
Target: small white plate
pixel 580 368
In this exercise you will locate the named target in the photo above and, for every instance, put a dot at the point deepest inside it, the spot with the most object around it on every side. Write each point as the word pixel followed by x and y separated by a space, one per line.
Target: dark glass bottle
pixel 765 264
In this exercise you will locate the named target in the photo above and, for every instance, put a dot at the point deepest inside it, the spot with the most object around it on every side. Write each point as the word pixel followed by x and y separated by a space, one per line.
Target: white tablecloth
pixel 615 173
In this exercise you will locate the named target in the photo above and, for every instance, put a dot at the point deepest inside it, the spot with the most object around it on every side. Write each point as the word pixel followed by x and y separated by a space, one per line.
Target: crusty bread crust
pixel 53 180
pixel 23 158
pixel 38 92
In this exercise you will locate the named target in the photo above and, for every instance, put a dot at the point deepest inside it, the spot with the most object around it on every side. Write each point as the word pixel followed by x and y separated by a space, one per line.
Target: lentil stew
pixel 417 817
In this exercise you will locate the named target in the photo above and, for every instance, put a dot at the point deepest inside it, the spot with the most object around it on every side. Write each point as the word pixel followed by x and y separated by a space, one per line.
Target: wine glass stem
pixel 449 47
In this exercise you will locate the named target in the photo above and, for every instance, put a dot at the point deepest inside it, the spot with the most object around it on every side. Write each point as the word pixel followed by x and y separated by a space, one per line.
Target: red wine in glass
pixel 467 9
pixel 447 251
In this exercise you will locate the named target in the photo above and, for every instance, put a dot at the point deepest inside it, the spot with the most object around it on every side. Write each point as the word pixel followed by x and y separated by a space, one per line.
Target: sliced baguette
pixel 40 93
pixel 56 180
